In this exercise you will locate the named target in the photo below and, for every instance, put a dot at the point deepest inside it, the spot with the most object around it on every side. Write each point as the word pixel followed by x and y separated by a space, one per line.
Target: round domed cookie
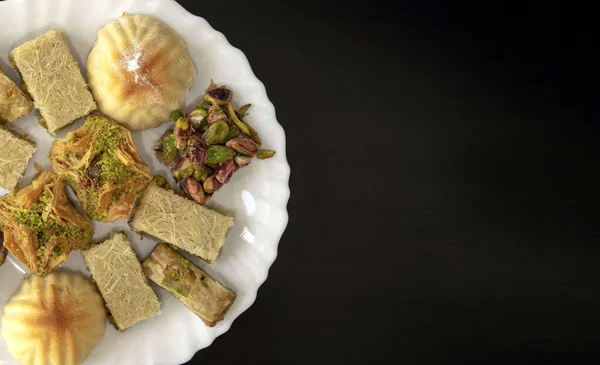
pixel 57 319
pixel 139 71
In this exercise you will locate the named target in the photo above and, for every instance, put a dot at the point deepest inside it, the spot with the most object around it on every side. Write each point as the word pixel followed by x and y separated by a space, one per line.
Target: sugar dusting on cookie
pixel 133 68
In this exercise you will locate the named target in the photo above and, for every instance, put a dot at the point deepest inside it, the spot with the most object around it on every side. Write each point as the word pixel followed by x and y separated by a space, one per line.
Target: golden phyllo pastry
pixel 13 102
pixel 15 153
pixel 41 226
pixel 58 319
pixel 203 295
pixel 102 166
pixel 139 71
pixel 52 77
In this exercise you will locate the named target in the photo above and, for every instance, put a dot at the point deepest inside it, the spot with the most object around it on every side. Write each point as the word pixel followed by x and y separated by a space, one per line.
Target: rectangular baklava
pixel 118 274
pixel 53 79
pixel 203 295
pixel 181 222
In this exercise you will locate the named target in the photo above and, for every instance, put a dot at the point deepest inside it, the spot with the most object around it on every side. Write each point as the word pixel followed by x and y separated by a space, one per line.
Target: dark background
pixel 444 205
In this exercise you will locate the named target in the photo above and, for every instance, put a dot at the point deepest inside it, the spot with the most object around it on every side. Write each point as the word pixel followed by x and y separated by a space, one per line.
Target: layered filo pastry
pixel 41 226
pixel 203 295
pixel 102 166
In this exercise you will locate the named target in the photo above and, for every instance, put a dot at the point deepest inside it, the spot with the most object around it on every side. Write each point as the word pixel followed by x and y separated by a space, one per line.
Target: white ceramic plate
pixel 257 195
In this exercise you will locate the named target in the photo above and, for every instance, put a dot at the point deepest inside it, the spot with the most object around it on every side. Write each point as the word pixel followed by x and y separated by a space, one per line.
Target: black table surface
pixel 444 205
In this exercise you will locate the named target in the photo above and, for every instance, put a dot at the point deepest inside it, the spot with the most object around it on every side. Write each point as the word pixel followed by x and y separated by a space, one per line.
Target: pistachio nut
pixel 182 123
pixel 182 152
pixel 161 181
pixel 254 135
pixel 234 131
pixel 169 147
pixel 199 111
pixel 219 96
pixel 243 145
pixel 193 188
pixel 244 110
pixel 216 133
pixel 242 160
pixel 240 124
pixel 196 151
pixel 204 105
pixel 175 114
pixel 211 184
pixel 183 168
pixel 201 175
pixel 182 132
pixel 264 154
pixel 216 114
pixel 198 117
pixel 216 154
pixel 223 173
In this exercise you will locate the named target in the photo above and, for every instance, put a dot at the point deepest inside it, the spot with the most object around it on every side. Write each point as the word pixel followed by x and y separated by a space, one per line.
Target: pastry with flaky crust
pixel 58 319
pixel 203 295
pixel 139 71
pixel 103 167
pixel 41 226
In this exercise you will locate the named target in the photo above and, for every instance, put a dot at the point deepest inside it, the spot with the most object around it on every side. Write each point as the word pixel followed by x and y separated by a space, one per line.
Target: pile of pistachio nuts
pixel 209 144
